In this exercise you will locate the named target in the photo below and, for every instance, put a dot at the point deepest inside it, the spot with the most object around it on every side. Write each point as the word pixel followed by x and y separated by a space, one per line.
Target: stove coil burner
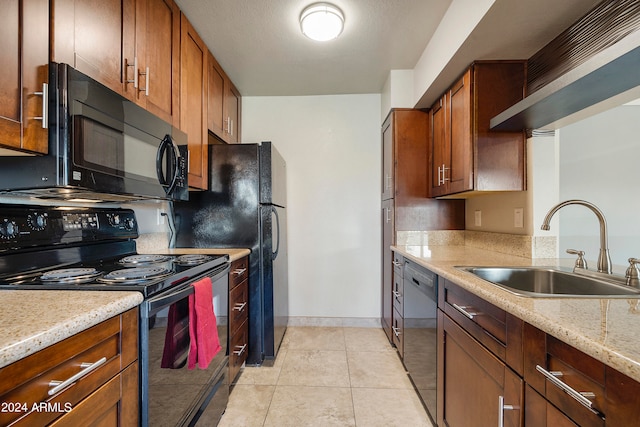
pixel 140 260
pixel 135 275
pixel 71 275
pixel 192 259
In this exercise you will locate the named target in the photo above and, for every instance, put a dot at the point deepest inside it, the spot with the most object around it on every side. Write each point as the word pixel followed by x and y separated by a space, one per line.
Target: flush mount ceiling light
pixel 321 21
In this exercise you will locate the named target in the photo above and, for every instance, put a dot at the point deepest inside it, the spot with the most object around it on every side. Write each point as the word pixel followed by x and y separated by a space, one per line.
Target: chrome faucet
pixel 604 260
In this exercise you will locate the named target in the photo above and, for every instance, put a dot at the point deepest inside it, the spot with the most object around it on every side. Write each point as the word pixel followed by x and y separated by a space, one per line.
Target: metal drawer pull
pixel 239 306
pixel 581 397
pixel 463 309
pixel 397 264
pixel 396 331
pixel 239 271
pixel 86 368
pixel 501 408
pixel 242 349
pixel 397 294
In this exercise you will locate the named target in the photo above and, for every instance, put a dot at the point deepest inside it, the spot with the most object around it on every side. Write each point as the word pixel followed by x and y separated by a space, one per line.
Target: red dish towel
pixel 203 328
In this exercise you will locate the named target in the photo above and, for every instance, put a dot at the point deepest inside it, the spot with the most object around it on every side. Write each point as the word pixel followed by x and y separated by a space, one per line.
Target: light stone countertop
pixel 32 320
pixel 606 329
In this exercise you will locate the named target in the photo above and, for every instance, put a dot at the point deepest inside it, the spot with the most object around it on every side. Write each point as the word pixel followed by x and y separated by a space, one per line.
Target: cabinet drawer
pixel 238 350
pixel 238 306
pixel 397 330
pixel 99 353
pixel 540 413
pixel 571 369
pixel 398 265
pixel 497 330
pixel 239 272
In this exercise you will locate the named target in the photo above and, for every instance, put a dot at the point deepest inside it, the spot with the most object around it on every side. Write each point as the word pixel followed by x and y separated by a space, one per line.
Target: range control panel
pixel 26 226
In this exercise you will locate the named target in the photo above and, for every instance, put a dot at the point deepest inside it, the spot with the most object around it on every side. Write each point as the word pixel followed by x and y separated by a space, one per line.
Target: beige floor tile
pixel 377 369
pixel 366 339
pixel 314 338
pixel 248 405
pixel 388 408
pixel 315 368
pixel 297 406
pixel 263 375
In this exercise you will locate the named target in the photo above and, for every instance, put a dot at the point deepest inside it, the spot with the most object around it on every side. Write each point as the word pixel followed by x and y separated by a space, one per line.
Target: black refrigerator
pixel 245 207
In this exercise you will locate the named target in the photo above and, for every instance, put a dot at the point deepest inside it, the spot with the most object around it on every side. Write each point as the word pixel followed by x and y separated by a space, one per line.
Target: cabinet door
pixel 216 118
pixel 387 159
pixel 157 58
pixel 387 277
pixel 440 149
pixel 90 35
pixel 193 102
pixel 473 384
pixel 460 175
pixel 24 52
pixel 232 106
pixel 539 412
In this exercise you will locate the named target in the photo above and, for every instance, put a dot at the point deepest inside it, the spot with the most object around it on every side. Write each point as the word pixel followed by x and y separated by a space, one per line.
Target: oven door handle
pixel 163 300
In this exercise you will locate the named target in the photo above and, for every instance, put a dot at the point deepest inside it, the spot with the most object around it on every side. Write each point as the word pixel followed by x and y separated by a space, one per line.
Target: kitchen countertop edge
pixel 559 317
pixel 34 320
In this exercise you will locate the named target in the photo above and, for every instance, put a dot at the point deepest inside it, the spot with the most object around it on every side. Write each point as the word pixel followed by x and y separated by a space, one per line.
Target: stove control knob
pixel 114 219
pixel 8 229
pixel 129 223
pixel 37 221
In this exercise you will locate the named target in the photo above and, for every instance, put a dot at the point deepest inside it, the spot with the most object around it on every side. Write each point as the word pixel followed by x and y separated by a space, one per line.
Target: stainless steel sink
pixel 552 282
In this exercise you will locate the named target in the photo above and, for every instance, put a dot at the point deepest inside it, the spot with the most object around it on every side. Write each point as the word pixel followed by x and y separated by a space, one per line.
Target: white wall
pixel 332 148
pixel 599 162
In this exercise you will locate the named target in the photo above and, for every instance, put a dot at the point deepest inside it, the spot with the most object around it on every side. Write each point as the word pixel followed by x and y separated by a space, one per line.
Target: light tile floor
pixel 327 377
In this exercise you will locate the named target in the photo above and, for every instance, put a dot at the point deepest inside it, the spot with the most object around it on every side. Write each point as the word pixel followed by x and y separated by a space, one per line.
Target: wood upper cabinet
pixel 24 53
pixel 193 101
pixel 464 155
pixel 91 36
pixel 153 66
pixel 224 104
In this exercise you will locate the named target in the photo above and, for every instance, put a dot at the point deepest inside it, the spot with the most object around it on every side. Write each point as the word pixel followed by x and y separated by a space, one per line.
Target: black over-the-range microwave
pixel 102 146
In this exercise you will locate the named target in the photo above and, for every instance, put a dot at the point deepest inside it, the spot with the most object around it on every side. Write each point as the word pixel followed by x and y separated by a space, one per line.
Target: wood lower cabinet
pixel 475 387
pixel 540 413
pixel 582 388
pixel 24 53
pixel 464 154
pixel 193 102
pixel 106 394
pixel 238 316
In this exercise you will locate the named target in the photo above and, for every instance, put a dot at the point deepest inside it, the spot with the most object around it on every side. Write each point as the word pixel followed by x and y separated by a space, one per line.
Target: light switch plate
pixel 518 217
pixel 478 218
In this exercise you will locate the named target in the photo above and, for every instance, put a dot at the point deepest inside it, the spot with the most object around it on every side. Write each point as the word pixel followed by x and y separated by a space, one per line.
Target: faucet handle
pixel 580 262
pixel 632 275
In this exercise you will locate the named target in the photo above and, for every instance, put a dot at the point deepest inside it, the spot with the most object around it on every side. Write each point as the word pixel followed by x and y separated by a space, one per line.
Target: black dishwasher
pixel 420 331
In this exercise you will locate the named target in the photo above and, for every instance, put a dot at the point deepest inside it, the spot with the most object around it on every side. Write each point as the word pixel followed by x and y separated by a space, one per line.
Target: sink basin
pixel 551 282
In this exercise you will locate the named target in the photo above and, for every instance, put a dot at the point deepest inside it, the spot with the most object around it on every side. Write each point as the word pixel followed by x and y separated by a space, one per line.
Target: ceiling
pixel 260 46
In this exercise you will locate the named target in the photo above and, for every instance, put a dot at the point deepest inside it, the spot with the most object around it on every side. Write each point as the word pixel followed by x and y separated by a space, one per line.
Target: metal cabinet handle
pixel 239 271
pixel 444 171
pixel 146 81
pixel 501 408
pixel 240 351
pixel 396 263
pixel 45 106
pixel 463 309
pixel 86 368
pixel 397 294
pixel 396 331
pixel 580 396
pixel 135 71
pixel 239 306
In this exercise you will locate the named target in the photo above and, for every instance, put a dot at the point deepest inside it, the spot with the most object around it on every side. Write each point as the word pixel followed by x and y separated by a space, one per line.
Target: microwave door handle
pixel 162 148
pixel 174 164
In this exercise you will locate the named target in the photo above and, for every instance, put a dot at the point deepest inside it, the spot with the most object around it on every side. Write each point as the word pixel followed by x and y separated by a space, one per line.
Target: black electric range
pixel 89 249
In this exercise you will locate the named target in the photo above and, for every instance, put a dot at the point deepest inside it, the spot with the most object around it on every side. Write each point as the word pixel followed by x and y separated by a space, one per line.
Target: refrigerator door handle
pixel 274 255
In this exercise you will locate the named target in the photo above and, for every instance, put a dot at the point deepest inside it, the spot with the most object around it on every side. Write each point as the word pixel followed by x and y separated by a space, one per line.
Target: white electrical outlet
pixel 160 217
pixel 478 218
pixel 518 217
